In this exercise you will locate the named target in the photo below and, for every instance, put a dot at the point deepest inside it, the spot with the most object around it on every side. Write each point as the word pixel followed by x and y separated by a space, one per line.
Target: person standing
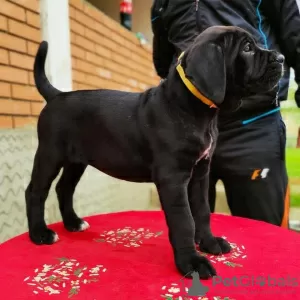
pixel 250 152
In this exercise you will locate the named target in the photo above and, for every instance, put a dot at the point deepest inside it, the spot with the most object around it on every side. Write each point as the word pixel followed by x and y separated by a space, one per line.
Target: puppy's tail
pixel 45 88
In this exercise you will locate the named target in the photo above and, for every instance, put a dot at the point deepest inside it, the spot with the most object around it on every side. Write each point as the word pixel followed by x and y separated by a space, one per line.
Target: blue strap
pixel 261 116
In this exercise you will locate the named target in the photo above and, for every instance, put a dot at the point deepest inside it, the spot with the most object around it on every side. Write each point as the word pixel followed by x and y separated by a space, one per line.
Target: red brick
pixel 118 39
pixel 24 121
pixel 84 43
pixel 4 89
pixel 133 83
pixel 80 86
pixel 11 10
pixel 31 78
pixel 33 19
pixel 108 43
pixel 127 53
pixel 73 62
pixel 71 12
pixel 14 107
pixel 77 52
pixel 113 58
pixel 84 19
pixel 141 50
pixel 143 86
pixel 85 67
pixel 36 108
pixel 120 79
pixel 77 3
pixel 95 81
pixel 21 107
pixel 3 56
pixel 29 4
pixel 11 42
pixel 78 76
pixel 3 23
pixel 13 74
pixel 116 67
pixel 76 27
pixel 104 73
pixel 141 60
pixel 73 37
pixel 112 85
pixel 102 51
pixel 23 30
pixel 126 62
pixel 147 48
pixel 94 59
pixel 103 30
pixel 93 36
pixel 6 121
pixel 6 106
pixel 147 79
pixel 75 86
pixel 25 92
pixel 20 60
pixel 32 48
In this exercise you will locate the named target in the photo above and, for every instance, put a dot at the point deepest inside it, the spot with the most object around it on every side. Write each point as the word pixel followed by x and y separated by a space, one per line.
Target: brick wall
pixel 20 34
pixel 104 54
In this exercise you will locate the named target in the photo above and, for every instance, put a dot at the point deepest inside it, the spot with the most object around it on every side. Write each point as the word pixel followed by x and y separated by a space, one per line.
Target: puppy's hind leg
pixel 65 189
pixel 47 164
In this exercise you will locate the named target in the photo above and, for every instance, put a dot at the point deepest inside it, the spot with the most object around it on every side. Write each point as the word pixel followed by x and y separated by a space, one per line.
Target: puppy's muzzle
pixel 280 58
pixel 276 61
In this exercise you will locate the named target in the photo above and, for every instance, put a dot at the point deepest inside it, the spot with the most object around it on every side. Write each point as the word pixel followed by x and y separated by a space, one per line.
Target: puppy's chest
pixel 207 149
pixel 206 142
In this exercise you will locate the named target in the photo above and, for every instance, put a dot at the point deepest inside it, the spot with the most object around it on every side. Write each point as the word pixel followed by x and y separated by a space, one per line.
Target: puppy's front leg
pixel 198 199
pixel 174 199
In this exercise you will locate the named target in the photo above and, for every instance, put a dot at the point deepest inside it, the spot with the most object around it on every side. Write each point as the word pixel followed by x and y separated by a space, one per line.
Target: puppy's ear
pixel 205 67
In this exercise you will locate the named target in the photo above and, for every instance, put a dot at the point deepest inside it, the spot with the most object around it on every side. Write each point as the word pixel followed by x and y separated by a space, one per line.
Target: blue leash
pixel 261 116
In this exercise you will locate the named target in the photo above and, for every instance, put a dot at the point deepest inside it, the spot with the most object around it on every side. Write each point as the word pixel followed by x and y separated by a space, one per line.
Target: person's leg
pixel 254 171
pixel 261 198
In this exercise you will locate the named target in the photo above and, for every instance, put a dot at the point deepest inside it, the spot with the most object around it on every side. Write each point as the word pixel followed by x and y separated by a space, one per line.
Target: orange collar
pixel 191 87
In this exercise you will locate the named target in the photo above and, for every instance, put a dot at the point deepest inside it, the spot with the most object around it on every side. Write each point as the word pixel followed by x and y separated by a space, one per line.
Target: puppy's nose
pixel 280 58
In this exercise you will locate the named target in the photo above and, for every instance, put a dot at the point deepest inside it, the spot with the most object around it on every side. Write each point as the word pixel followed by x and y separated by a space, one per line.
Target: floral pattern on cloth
pixel 127 236
pixel 177 291
pixel 66 274
pixel 237 253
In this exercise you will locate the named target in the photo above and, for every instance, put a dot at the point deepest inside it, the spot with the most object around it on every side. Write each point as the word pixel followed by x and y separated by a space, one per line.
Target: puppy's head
pixel 225 64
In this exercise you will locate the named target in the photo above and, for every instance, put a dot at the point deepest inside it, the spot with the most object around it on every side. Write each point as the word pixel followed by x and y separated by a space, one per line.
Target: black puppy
pixel 165 135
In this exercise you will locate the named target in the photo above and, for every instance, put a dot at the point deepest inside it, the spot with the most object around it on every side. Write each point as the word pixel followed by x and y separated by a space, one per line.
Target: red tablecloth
pixel 128 256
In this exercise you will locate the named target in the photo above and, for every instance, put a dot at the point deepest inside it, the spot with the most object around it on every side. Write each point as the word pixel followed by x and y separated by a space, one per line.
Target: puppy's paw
pixel 76 224
pixel 189 263
pixel 214 245
pixel 43 236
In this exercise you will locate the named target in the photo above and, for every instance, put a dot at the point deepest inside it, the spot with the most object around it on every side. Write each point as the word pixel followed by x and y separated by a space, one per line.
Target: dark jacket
pixel 275 24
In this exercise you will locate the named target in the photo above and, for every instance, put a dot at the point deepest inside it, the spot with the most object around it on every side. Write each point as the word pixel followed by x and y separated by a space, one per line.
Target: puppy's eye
pixel 247 48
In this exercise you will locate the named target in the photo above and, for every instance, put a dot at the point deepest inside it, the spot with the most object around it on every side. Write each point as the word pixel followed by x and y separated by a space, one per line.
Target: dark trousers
pixel 250 161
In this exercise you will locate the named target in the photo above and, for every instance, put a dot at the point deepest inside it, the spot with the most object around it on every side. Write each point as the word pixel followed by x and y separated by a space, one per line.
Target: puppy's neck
pixel 179 94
